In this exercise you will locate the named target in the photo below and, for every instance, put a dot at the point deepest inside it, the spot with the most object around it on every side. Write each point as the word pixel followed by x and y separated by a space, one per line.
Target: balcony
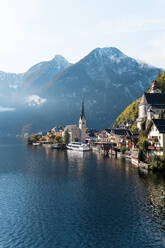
pixel 153 139
pixel 155 148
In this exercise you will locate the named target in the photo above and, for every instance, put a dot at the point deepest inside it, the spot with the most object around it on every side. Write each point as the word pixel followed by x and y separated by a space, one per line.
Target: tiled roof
pixel 121 132
pixel 160 124
pixel 108 130
pixel 155 98
pixel 158 106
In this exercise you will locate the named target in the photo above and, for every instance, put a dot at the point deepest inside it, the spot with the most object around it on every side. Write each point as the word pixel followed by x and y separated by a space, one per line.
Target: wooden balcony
pixel 153 139
pixel 155 148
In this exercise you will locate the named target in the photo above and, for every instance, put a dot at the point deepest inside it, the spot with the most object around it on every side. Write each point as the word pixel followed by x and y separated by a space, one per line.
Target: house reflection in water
pixel 155 185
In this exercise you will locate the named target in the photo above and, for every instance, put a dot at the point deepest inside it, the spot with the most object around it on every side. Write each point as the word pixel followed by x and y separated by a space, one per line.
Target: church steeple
pixel 82 115
pixel 82 122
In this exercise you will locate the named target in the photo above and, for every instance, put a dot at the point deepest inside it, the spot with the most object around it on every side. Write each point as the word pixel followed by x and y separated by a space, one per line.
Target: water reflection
pixel 151 186
pixel 155 185
pixel 59 199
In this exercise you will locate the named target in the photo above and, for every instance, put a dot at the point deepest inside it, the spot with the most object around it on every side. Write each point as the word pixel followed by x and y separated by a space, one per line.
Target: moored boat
pixel 36 143
pixel 77 146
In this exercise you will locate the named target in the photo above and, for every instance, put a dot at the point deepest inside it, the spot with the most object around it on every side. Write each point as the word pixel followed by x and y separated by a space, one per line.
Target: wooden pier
pixel 107 148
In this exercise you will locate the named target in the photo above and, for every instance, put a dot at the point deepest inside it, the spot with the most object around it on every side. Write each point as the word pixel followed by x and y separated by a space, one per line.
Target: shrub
pixel 141 155
pixel 123 149
pixel 66 137
pixel 157 162
pixel 58 140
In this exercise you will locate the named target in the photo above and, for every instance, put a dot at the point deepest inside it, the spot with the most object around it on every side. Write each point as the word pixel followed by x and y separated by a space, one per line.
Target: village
pixel 145 146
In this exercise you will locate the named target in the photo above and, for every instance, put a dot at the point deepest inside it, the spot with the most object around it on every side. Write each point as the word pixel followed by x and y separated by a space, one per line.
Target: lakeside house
pixel 104 135
pixel 152 105
pixel 53 133
pixel 91 136
pixel 152 112
pixel 121 137
pixel 156 136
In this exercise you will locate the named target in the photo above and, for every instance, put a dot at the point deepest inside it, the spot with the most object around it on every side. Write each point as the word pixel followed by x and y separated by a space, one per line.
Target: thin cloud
pixel 35 100
pixel 6 109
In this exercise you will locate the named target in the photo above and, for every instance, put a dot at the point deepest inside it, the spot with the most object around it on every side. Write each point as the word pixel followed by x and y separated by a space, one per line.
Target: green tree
pixel 123 149
pixel 156 162
pixel 141 155
pixel 143 125
pixel 161 115
pixel 161 80
pixel 76 139
pixel 143 143
pixel 58 140
pixel 66 137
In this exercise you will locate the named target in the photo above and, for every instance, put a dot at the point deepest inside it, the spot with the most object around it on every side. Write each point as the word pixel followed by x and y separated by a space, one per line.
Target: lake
pixel 66 199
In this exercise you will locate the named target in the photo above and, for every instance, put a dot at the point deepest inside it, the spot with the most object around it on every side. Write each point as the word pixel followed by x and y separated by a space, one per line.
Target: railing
pixel 153 139
pixel 156 148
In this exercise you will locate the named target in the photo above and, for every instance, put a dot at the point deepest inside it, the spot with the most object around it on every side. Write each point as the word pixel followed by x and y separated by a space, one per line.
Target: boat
pixel 36 143
pixel 59 146
pixel 77 146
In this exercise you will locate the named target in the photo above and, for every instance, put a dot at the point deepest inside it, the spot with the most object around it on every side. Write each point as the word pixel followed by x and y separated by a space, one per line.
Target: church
pixel 78 133
pixel 152 105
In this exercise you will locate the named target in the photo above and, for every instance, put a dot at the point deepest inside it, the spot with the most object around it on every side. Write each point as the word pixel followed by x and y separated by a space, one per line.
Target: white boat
pixel 36 144
pixel 77 146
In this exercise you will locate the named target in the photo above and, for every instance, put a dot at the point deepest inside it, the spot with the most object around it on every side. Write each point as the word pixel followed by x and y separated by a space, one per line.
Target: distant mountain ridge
pixel 38 74
pixel 23 84
pixel 50 92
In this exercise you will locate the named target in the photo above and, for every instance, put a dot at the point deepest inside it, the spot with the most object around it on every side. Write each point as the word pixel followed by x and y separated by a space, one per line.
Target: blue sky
pixel 37 30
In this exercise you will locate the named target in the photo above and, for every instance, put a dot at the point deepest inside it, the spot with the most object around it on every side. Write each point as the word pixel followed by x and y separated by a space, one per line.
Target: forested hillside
pixel 131 112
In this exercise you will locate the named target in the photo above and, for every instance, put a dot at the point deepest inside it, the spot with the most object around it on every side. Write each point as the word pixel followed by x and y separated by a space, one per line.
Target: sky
pixel 36 30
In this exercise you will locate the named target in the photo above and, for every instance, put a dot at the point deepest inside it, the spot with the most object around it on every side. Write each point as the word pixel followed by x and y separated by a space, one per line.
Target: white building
pixel 156 136
pixel 152 105
pixel 104 136
pixel 75 132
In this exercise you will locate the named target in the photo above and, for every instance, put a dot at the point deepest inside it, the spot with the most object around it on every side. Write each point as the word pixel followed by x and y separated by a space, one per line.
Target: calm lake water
pixel 56 199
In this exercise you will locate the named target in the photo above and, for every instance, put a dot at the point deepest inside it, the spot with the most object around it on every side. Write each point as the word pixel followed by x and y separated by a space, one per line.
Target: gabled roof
pixel 121 132
pixel 108 130
pixel 160 125
pixel 155 98
pixel 158 106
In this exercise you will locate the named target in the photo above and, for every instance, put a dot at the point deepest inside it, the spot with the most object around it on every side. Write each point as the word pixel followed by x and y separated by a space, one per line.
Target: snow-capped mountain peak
pixel 108 52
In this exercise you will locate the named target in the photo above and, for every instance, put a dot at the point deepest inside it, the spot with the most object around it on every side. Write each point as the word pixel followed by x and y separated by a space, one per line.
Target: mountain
pixel 102 69
pixel 9 85
pixel 42 72
pixel 50 92
pixel 15 87
pixel 107 78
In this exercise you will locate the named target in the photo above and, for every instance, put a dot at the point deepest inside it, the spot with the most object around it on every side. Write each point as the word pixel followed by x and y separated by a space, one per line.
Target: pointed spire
pixel 82 109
